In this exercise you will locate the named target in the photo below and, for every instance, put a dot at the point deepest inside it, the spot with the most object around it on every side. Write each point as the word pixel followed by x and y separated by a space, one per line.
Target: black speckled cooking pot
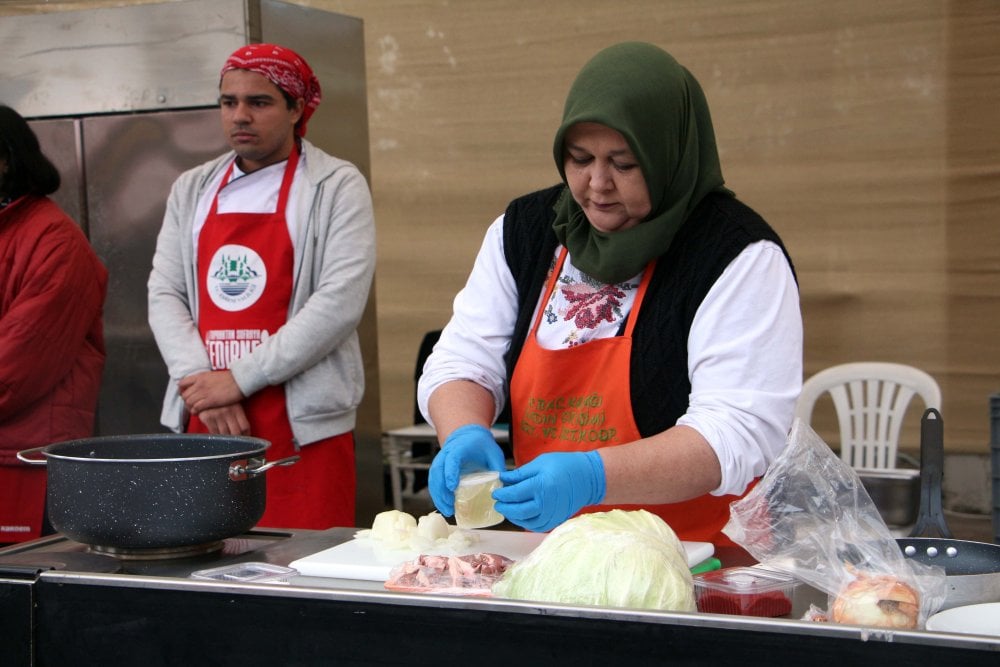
pixel 160 491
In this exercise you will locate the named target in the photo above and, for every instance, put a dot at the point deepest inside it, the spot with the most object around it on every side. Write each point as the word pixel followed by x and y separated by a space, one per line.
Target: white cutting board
pixel 363 558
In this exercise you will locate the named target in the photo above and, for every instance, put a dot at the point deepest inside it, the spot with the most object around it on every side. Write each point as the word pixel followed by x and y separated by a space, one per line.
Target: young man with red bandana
pixel 261 274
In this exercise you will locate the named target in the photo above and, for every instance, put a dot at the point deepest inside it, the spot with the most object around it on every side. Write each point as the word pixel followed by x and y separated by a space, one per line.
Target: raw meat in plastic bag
pixel 471 575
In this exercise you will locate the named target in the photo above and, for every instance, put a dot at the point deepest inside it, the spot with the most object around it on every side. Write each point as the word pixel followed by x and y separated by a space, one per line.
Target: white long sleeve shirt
pixel 744 349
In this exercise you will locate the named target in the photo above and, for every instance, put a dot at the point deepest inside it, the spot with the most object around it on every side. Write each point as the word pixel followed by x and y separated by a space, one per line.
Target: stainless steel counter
pixel 165 617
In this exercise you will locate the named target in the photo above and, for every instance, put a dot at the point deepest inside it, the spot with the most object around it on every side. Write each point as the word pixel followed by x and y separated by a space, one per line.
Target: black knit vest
pixel 717 231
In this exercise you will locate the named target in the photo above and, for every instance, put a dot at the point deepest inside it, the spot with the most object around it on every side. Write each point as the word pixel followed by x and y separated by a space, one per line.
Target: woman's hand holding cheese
pixel 469 448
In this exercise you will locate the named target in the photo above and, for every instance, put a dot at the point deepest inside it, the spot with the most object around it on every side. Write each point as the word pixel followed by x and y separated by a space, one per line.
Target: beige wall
pixel 866 133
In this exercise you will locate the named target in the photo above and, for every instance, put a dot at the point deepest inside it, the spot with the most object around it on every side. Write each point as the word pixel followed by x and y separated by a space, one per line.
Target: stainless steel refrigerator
pixel 123 100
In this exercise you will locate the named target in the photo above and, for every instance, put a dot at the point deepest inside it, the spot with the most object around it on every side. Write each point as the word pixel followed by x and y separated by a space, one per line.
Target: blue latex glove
pixel 469 448
pixel 543 493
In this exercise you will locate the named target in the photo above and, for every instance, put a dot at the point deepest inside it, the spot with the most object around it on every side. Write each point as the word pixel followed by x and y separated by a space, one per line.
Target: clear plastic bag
pixel 472 575
pixel 810 516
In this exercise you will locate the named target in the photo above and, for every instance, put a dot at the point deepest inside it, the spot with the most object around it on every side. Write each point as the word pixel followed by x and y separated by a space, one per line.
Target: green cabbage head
pixel 614 559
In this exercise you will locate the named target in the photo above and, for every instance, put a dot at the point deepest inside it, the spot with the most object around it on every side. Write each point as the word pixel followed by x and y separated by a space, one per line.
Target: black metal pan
pixel 972 568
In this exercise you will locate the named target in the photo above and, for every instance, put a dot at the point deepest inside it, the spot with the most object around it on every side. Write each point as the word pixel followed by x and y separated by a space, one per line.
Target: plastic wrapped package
pixel 258 573
pixel 472 575
pixel 811 517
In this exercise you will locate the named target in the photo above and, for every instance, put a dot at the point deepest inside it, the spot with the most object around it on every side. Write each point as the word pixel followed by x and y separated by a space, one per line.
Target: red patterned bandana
pixel 285 69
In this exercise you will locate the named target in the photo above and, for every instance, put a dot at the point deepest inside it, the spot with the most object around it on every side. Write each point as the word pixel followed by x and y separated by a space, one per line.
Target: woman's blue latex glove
pixel 469 448
pixel 543 493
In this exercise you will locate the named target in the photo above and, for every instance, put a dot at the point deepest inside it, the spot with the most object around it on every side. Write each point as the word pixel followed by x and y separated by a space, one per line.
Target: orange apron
pixel 246 263
pixel 579 399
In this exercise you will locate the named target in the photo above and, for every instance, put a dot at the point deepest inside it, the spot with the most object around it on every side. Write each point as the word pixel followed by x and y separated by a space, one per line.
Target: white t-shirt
pixel 256 192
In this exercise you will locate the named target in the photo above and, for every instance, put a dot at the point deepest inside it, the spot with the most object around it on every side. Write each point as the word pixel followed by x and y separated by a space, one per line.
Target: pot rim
pixel 255 446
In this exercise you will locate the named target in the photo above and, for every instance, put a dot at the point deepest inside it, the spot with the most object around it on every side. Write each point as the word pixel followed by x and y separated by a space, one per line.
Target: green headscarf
pixel 657 105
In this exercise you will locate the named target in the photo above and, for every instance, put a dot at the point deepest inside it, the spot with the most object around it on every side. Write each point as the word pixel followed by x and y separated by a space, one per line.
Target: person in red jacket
pixel 52 290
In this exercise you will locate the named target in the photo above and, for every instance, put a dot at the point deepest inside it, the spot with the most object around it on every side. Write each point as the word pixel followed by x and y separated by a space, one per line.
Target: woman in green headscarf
pixel 641 322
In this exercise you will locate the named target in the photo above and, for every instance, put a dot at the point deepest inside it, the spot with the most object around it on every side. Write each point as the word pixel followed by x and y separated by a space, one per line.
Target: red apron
pixel 246 263
pixel 22 502
pixel 579 399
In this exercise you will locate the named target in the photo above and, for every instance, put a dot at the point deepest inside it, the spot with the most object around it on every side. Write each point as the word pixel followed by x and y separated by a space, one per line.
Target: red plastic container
pixel 744 591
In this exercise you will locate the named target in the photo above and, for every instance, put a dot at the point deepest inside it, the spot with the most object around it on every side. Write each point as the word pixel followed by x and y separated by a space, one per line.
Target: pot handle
pixel 23 456
pixel 240 470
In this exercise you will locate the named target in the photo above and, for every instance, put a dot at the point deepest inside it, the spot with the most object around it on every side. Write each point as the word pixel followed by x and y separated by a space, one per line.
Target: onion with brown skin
pixel 881 601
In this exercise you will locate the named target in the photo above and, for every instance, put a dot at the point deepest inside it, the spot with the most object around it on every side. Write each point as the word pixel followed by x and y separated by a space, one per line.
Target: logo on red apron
pixel 224 346
pixel 236 278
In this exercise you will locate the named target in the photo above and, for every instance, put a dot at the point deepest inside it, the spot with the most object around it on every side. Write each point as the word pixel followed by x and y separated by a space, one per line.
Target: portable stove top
pixel 274 546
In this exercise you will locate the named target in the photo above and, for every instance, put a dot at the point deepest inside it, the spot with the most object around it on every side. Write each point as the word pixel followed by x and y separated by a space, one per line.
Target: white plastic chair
pixel 870 399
